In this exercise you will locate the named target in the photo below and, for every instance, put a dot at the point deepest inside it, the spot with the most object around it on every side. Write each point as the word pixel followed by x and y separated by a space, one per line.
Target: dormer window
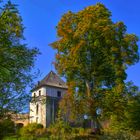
pixel 39 92
pixel 58 93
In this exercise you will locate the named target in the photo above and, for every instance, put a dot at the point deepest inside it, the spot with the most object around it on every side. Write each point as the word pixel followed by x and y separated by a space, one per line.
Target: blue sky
pixel 40 18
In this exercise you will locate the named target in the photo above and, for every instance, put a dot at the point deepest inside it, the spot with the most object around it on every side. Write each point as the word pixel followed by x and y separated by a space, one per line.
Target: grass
pixel 18 138
pixel 10 138
pixel 46 138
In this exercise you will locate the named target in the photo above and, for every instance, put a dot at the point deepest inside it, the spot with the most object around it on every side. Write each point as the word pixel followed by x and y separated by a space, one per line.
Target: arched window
pixel 37 109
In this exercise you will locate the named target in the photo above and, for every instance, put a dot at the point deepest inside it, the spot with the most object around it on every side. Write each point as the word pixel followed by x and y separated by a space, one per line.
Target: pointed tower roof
pixel 52 79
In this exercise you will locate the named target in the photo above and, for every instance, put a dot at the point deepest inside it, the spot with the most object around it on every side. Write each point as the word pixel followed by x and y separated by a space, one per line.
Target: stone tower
pixel 45 98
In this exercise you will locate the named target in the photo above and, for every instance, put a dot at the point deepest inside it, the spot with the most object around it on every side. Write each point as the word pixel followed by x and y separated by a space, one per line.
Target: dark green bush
pixel 7 127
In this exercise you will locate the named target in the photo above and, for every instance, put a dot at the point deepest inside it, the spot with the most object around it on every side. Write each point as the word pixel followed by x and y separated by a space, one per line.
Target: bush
pixel 120 135
pixel 7 127
pixel 32 131
pixel 80 131
pixel 40 132
pixel 60 130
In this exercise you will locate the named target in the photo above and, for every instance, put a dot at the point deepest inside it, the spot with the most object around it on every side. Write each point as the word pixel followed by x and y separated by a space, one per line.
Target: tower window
pixel 36 119
pixel 37 108
pixel 58 93
pixel 34 95
pixel 39 92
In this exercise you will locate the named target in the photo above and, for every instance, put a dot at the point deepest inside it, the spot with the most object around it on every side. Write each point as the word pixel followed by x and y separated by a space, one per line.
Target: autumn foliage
pixel 93 54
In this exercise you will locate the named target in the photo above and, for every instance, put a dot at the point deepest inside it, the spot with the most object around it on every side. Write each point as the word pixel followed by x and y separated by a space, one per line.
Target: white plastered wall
pixel 39 117
pixel 45 91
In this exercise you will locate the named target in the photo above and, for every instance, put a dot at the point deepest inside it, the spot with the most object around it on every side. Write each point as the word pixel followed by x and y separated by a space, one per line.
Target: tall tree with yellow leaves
pixel 93 53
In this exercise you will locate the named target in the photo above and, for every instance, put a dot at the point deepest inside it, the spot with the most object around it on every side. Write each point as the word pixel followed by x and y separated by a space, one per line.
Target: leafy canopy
pixel 93 53
pixel 16 61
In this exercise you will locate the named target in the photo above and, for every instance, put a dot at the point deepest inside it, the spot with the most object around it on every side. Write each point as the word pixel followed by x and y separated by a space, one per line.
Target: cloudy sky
pixel 40 18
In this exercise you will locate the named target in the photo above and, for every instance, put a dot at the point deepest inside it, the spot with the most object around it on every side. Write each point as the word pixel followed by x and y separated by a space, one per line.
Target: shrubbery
pixel 32 131
pixel 60 130
pixel 6 127
pixel 120 135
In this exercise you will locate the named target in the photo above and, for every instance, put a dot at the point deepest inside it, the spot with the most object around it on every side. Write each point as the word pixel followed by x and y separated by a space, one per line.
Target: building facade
pixel 45 98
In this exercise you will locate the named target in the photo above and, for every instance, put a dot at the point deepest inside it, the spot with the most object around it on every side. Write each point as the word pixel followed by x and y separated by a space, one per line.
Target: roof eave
pixel 39 86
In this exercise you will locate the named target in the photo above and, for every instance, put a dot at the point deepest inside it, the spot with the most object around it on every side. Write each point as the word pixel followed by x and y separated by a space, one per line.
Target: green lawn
pixel 18 138
pixel 45 138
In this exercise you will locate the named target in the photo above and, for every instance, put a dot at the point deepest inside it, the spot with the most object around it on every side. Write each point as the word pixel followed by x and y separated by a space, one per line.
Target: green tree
pixel 16 61
pixel 93 53
pixel 70 109
pixel 128 109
